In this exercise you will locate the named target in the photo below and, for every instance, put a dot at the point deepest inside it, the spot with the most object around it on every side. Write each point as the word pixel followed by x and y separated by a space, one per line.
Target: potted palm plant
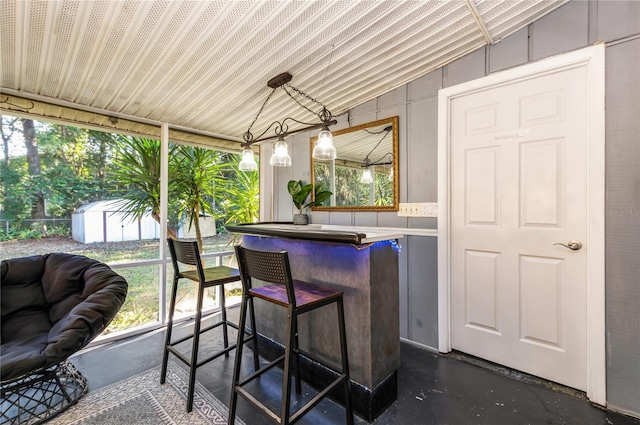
pixel 299 193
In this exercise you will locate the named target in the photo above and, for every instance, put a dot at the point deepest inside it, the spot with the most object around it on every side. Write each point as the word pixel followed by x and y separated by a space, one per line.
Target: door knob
pixel 574 245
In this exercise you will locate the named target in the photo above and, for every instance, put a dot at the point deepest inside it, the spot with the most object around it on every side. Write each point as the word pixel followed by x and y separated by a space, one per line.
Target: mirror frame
pixel 396 158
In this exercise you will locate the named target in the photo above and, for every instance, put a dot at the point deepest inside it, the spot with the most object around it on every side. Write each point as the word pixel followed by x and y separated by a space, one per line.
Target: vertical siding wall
pixel 622 225
pixel 576 25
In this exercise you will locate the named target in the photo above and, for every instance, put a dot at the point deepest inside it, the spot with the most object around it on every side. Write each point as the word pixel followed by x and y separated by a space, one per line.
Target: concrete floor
pixel 432 388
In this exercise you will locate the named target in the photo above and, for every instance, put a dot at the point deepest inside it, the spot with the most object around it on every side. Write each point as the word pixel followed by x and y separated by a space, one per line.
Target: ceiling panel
pixel 203 65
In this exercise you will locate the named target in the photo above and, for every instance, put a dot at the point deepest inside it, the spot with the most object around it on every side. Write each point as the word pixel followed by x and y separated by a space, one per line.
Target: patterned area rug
pixel 141 400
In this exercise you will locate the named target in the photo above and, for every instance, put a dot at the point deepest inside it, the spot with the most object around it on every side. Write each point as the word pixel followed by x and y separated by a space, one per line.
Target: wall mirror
pixel 364 175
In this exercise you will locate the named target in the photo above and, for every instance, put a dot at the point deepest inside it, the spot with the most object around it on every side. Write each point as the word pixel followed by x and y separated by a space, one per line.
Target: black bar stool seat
pixel 187 253
pixel 298 297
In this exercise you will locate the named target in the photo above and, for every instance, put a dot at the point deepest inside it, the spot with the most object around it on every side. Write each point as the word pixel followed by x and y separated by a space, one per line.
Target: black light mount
pixel 281 128
pixel 279 80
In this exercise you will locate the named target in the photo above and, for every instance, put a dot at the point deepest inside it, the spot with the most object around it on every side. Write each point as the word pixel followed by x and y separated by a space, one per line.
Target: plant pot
pixel 300 219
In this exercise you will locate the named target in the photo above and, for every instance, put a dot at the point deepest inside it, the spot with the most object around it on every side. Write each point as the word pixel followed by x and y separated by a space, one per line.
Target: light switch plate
pixel 419 209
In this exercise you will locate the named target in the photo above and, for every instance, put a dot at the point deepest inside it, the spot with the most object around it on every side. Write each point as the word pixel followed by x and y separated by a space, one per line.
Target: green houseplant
pixel 299 193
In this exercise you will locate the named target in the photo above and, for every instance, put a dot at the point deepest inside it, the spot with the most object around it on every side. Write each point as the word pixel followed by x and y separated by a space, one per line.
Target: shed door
pixel 518 187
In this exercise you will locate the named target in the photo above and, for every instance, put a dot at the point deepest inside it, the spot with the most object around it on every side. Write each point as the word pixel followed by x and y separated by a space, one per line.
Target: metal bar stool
pixel 297 297
pixel 187 253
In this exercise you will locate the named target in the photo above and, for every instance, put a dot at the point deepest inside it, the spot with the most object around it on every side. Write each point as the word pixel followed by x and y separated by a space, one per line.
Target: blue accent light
pixel 393 242
pixel 396 245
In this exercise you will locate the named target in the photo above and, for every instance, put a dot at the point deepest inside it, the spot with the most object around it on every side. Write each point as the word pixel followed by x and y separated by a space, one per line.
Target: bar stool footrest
pixel 178 355
pixel 316 399
pixel 216 355
pixel 208 328
pixel 258 405
pixel 171 348
pixel 260 371
pixel 299 413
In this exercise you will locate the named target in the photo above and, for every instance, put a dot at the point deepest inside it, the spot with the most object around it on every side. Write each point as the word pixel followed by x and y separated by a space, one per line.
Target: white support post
pixel 164 193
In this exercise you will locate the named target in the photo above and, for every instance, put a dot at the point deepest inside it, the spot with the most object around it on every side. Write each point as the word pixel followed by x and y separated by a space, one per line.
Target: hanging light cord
pixel 248 137
pixel 326 71
pixel 366 158
pixel 324 114
pixel 378 162
pixel 386 129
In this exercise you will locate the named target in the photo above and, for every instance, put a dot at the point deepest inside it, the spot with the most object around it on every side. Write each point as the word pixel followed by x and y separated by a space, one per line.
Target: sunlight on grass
pixel 141 306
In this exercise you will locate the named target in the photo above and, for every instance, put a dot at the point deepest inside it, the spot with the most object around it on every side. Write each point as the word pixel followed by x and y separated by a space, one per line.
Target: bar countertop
pixel 315 232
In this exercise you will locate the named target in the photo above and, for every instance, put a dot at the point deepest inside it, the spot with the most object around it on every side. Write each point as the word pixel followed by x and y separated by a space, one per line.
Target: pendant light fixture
pixel 248 162
pixel 280 157
pixel 324 149
pixel 366 178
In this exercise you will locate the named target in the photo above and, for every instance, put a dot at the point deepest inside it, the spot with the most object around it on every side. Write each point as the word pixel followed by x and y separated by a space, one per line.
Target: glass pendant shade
pixel 248 162
pixel 324 149
pixel 366 177
pixel 280 157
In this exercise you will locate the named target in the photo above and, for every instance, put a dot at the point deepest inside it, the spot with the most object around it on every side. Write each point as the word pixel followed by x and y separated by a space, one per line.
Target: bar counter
pixel 363 264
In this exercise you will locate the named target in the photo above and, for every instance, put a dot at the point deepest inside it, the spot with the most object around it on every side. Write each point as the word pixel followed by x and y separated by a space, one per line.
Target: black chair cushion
pixel 52 306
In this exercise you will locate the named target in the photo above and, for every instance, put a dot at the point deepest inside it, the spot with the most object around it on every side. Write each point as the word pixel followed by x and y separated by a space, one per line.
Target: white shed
pixel 207 228
pixel 101 221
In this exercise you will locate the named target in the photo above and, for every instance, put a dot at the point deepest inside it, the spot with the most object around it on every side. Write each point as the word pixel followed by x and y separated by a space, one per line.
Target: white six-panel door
pixel 518 187
pixel 518 157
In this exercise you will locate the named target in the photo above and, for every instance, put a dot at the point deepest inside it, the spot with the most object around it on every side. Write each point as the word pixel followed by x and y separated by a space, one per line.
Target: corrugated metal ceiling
pixel 203 65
